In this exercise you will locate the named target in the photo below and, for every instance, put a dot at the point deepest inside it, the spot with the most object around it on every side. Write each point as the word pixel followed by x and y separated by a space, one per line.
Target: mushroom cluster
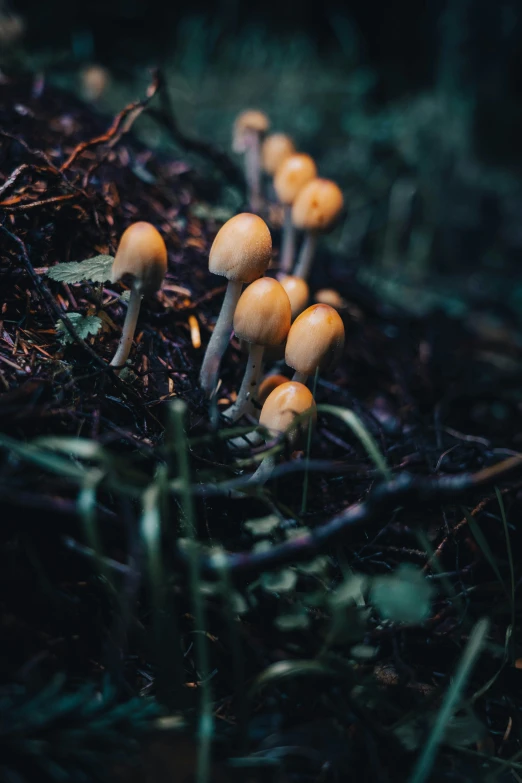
pixel 270 317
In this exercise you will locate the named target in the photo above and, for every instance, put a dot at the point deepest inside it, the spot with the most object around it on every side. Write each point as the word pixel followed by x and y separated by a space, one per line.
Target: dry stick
pixel 405 490
pixel 117 128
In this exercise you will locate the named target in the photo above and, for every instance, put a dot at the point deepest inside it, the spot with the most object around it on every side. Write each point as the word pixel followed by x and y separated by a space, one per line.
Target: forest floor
pixel 309 670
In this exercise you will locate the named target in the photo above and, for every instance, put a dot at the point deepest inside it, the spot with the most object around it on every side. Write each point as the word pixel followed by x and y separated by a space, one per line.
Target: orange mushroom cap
pixel 284 404
pixel 242 249
pixel 315 339
pixel 317 205
pixel 263 313
pixel 298 292
pixel 250 120
pixel 276 148
pixel 142 255
pixel 293 173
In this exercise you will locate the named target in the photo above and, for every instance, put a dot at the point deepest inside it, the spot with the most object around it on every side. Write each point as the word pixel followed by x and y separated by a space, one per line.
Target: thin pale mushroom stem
pixel 129 328
pixel 253 170
pixel 249 386
pixel 219 339
pixel 306 256
pixel 264 471
pixel 288 242
pixel 301 377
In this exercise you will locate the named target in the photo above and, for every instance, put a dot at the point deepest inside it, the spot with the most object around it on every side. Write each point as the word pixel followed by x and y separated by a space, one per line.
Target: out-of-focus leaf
pixel 295 619
pixel 262 527
pixel 404 596
pixel 279 581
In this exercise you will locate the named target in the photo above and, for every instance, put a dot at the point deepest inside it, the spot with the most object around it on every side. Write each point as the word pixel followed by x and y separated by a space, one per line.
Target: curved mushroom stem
pixel 301 377
pixel 208 376
pixel 253 170
pixel 264 471
pixel 306 256
pixel 288 242
pixel 248 389
pixel 129 327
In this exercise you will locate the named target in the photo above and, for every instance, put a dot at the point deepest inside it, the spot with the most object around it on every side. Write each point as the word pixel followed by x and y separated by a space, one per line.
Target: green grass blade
pixel 360 432
pixel 476 641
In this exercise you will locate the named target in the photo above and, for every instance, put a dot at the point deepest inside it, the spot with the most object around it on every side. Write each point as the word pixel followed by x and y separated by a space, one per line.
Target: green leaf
pixel 295 619
pixel 364 435
pixel 279 581
pixel 262 527
pixel 404 596
pixel 315 567
pixel 84 325
pixel 350 592
pixel 97 270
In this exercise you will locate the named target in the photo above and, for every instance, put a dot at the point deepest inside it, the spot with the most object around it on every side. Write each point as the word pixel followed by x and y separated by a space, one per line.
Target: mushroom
pixel 298 293
pixel 293 173
pixel 142 256
pixel 249 128
pixel 276 148
pixel 262 317
pixel 241 252
pixel 315 341
pixel 268 384
pixel 315 209
pixel 285 403
pixel 330 297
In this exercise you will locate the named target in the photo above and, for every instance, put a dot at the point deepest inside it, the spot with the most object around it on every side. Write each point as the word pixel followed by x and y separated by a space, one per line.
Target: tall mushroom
pixel 142 257
pixel 282 406
pixel 262 318
pixel 293 173
pixel 249 129
pixel 241 252
pixel 298 293
pixel 315 209
pixel 276 148
pixel 315 341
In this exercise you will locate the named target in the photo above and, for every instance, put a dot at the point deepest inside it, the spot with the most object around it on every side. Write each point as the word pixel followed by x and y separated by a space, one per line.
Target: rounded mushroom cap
pixel 317 205
pixel 251 120
pixel 330 297
pixel 276 148
pixel 142 255
pixel 263 313
pixel 298 293
pixel 284 404
pixel 315 340
pixel 242 249
pixel 268 384
pixel 294 172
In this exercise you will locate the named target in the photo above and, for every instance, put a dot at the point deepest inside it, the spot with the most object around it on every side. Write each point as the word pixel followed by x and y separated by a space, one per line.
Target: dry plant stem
pixel 306 256
pixel 220 338
pixel 129 328
pixel 288 242
pixel 300 377
pixel 264 471
pixel 253 171
pixel 249 386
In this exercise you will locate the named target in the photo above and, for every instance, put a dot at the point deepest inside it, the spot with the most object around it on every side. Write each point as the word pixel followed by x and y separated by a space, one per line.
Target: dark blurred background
pixel 414 107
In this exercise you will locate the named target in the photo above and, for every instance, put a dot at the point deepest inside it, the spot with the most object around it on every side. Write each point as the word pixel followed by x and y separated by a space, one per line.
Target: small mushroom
pixel 330 297
pixel 276 148
pixel 241 252
pixel 249 129
pixel 298 293
pixel 315 209
pixel 315 341
pixel 285 403
pixel 262 317
pixel 141 256
pixel 293 173
pixel 268 384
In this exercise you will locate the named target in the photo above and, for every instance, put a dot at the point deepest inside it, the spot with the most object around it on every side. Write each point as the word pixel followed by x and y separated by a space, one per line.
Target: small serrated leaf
pixel 84 325
pixel 97 270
